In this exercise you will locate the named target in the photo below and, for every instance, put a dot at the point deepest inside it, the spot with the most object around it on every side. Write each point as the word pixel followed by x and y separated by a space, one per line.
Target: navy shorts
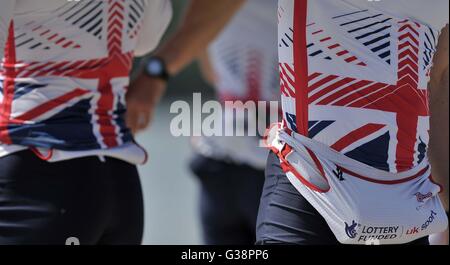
pixel 83 200
pixel 229 201
pixel 286 217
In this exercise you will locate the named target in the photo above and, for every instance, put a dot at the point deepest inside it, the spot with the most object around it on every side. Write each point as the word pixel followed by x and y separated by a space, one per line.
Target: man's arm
pixel 439 108
pixel 6 12
pixel 439 131
pixel 203 21
pixel 206 68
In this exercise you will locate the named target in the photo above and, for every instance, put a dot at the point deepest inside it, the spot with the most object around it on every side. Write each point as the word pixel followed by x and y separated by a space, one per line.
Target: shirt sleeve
pixel 6 14
pixel 157 17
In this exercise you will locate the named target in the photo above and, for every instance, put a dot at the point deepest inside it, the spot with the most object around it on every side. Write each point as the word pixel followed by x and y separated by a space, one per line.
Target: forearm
pixel 439 126
pixel 439 141
pixel 206 68
pixel 203 21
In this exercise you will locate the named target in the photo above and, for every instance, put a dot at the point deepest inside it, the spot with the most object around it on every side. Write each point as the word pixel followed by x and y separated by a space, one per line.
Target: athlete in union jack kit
pixel 67 159
pixel 355 133
pixel 351 162
pixel 354 90
pixel 241 64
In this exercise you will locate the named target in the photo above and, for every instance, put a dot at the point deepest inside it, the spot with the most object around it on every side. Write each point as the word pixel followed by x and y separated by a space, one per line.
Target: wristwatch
pixel 156 68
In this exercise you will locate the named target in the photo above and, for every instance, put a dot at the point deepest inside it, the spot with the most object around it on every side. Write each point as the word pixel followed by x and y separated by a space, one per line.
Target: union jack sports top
pixel 65 69
pixel 354 75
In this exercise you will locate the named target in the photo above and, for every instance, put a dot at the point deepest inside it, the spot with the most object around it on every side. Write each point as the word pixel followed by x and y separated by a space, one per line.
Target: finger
pixel 132 119
pixel 143 120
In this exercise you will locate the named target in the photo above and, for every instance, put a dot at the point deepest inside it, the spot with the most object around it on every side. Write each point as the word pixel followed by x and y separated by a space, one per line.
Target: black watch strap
pixel 156 68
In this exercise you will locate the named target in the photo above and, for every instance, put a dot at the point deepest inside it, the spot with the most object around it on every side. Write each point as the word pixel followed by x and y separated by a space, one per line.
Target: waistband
pixel 131 153
pixel 317 151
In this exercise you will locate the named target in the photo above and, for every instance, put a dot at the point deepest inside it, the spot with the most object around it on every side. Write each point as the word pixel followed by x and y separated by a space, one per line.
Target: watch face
pixel 155 67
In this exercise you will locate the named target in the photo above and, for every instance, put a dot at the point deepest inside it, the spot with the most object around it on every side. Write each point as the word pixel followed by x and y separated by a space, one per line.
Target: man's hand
pixel 204 20
pixel 142 97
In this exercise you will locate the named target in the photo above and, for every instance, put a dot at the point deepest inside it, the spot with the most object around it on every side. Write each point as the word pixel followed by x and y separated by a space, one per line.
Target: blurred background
pixel 170 190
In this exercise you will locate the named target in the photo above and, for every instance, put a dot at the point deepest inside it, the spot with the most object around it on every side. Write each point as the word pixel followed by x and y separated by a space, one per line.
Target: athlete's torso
pixel 355 74
pixel 244 59
pixel 66 70
pixel 244 56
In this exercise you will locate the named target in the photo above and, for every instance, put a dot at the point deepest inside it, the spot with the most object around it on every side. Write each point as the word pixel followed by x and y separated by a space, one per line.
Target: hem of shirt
pixel 131 153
